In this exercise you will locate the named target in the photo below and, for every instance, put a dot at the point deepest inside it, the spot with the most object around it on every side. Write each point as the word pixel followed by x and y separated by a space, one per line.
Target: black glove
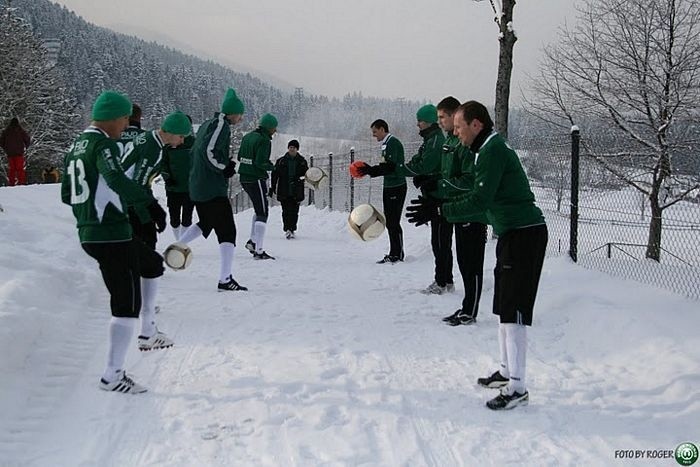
pixel 230 169
pixel 270 192
pixel 418 180
pixel 371 170
pixel 158 215
pixel 423 210
pixel 430 184
pixel 362 169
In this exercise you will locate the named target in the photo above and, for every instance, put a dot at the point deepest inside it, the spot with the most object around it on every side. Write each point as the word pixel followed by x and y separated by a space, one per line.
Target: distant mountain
pixel 185 47
pixel 158 78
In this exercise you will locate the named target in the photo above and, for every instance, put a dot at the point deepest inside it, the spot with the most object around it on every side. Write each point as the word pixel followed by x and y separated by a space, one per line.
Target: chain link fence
pixel 606 223
pixel 341 192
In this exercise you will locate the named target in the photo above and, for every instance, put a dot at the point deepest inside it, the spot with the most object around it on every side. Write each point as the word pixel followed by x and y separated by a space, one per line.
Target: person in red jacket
pixel 14 140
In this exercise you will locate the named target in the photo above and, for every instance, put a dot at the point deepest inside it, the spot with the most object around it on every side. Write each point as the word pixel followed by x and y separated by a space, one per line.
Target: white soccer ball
pixel 366 222
pixel 177 256
pixel 315 178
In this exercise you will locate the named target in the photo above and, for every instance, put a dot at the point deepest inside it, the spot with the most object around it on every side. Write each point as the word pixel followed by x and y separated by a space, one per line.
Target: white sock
pixel 149 290
pixel 226 249
pixel 516 342
pixel 120 332
pixel 190 234
pixel 252 228
pixel 504 350
pixel 259 236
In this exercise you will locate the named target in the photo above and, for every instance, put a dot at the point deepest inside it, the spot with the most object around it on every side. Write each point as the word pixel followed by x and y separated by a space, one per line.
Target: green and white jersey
pixel 392 151
pixel 127 137
pixel 210 156
pixel 97 189
pixel 142 163
pixel 500 190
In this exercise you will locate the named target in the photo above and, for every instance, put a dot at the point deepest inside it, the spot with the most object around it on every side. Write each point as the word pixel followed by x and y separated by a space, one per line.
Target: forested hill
pixel 93 58
pixel 159 78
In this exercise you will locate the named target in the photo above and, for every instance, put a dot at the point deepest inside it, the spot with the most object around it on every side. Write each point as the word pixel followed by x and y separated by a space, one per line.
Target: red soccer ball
pixel 354 169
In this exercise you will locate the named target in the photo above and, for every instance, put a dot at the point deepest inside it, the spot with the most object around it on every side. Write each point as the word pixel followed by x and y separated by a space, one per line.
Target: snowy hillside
pixel 329 359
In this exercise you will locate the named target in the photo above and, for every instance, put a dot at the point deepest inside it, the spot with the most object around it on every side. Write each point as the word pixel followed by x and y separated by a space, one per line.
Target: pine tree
pixel 33 91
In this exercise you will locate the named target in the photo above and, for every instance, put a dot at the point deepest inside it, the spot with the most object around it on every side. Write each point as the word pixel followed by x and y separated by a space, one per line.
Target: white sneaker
pixel 157 341
pixel 433 289
pixel 450 287
pixel 288 234
pixel 123 384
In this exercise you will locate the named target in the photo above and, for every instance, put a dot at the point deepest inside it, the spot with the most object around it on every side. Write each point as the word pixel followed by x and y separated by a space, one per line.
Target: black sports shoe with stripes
pixel 494 381
pixel 505 401
pixel 230 284
pixel 123 384
pixel 262 255
pixel 250 246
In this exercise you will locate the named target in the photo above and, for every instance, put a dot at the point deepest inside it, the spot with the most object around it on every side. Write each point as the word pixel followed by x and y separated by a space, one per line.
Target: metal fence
pixel 594 217
pixel 340 192
pixel 602 222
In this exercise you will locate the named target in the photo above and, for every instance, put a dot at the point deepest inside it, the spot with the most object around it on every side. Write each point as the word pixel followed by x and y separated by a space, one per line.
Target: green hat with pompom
pixel 232 105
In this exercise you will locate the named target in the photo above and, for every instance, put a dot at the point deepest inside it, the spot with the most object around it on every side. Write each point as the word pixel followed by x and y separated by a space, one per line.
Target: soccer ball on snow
pixel 315 177
pixel 366 222
pixel 177 256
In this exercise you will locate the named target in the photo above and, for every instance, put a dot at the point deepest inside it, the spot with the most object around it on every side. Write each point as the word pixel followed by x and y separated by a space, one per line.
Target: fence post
pixel 573 228
pixel 352 181
pixel 311 192
pixel 330 180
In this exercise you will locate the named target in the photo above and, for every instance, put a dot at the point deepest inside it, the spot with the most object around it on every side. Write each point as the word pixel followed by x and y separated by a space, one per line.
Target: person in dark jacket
pixel 288 183
pixel 14 140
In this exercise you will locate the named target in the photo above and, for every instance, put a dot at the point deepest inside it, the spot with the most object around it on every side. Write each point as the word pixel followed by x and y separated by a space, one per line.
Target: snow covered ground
pixel 329 359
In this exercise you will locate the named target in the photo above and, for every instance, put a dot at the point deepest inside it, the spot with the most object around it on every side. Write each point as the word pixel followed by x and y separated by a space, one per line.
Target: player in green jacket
pixel 212 167
pixel 424 167
pixel 143 163
pixel 394 192
pixel 98 191
pixel 175 170
pixel 502 191
pixel 254 160
pixel 457 179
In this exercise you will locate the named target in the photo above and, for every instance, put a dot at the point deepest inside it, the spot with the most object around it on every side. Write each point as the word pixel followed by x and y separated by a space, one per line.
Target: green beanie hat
pixel 232 105
pixel 268 121
pixel 110 105
pixel 427 114
pixel 177 123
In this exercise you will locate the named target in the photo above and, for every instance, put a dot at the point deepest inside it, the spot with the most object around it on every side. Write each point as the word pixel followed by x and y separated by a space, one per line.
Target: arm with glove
pixel 359 169
pixel 423 210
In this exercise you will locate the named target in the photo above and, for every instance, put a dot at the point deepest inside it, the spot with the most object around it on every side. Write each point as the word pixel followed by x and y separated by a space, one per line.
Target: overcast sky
pixel 389 48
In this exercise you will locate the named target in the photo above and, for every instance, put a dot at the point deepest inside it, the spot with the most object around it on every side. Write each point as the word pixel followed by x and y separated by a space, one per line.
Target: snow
pixel 329 359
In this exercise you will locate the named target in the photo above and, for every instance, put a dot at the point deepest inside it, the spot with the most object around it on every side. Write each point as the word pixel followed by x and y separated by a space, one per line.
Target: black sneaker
pixel 262 255
pixel 452 317
pixel 462 319
pixel 494 381
pixel 250 246
pixel 231 284
pixel 508 401
pixel 389 259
